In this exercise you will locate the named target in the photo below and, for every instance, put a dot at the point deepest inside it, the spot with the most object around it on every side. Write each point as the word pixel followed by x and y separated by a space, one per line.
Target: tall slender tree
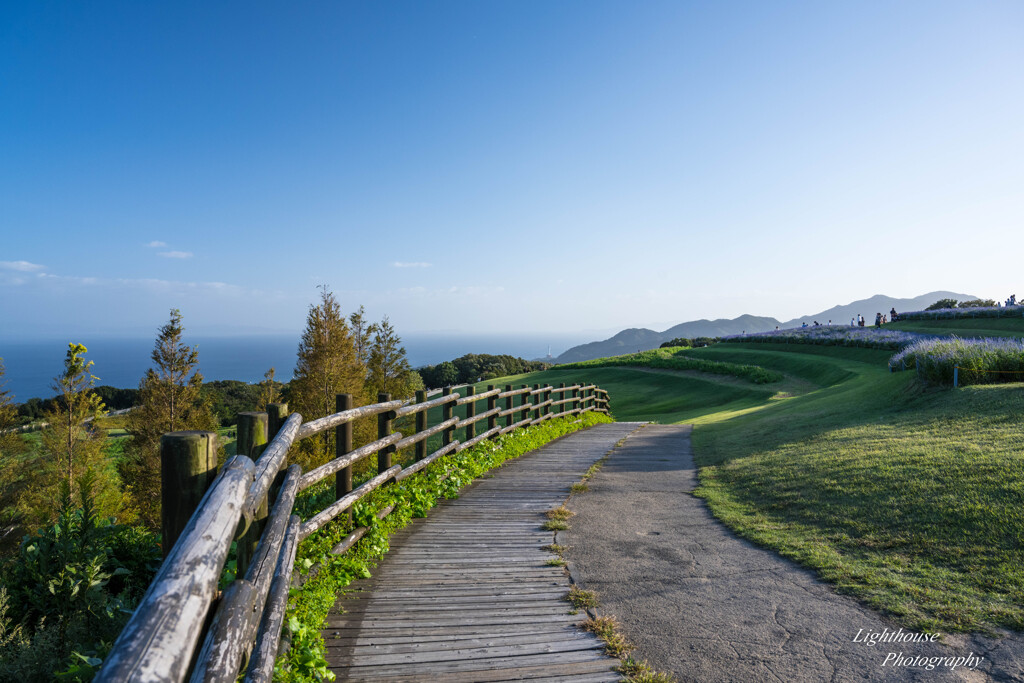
pixel 388 368
pixel 270 391
pixel 169 401
pixel 362 332
pixel 71 439
pixel 328 364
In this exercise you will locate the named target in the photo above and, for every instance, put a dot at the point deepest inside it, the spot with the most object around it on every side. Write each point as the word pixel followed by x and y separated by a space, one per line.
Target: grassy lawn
pixel 965 327
pixel 907 497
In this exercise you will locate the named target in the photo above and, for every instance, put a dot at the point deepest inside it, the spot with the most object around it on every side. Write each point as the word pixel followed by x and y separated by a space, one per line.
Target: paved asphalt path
pixel 707 606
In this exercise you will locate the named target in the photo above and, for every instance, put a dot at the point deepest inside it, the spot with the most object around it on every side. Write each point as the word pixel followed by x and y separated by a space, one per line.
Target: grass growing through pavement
pixel 582 598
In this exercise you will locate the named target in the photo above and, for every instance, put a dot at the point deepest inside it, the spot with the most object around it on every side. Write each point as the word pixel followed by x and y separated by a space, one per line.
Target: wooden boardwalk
pixel 465 595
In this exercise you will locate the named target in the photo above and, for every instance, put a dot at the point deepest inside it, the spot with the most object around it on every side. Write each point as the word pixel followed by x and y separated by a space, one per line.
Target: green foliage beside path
pixel 308 607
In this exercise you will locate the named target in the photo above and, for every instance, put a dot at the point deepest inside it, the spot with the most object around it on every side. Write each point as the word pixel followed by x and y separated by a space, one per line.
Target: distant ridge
pixel 641 339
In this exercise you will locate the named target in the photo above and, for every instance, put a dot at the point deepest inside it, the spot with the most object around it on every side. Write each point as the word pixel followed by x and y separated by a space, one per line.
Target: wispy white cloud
pixel 157 244
pixel 22 266
pixel 176 254
pixel 413 264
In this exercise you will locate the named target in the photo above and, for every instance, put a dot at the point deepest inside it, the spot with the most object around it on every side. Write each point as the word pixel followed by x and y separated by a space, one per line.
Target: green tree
pixel 446 375
pixel 942 303
pixel 388 368
pixel 169 401
pixel 270 391
pixel 361 335
pixel 977 303
pixel 71 439
pixel 328 364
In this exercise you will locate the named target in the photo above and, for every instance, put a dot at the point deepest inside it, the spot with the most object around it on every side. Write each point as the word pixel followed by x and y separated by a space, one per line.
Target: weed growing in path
pixel 582 598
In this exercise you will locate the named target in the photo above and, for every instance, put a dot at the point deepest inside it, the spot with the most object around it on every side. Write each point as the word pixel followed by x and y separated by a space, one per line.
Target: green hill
pixel 908 497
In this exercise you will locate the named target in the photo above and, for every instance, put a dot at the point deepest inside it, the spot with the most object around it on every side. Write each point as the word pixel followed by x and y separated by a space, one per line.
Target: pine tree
pixel 328 364
pixel 388 367
pixel 169 401
pixel 361 333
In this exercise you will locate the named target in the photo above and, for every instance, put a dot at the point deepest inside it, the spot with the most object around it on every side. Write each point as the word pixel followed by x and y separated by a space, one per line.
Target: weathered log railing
pixel 183 626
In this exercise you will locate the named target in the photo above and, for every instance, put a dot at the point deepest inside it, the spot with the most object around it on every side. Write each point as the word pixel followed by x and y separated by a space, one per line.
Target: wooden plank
pixel 467 594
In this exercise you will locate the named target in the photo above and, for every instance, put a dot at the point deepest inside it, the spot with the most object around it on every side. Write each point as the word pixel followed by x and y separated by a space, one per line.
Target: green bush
pixel 72 586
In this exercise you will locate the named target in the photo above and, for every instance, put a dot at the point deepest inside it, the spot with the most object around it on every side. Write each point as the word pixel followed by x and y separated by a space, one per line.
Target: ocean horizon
pixel 31 366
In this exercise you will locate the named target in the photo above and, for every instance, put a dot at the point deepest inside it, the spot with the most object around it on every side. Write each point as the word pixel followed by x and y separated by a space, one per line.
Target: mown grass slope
pixel 908 497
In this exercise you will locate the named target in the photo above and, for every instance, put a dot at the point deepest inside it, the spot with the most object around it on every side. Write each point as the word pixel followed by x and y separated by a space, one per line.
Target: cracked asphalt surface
pixel 708 606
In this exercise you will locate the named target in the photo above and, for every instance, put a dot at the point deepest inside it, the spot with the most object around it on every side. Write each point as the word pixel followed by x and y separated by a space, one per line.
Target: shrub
pixel 72 585
pixel 980 361
pixel 942 304
pixel 977 303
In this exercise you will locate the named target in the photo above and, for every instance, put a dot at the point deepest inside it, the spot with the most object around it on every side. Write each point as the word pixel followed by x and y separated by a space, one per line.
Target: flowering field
pixel 835 335
pixel 980 361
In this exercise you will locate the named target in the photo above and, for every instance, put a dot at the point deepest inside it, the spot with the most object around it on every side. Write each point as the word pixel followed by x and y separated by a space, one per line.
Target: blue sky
pixel 501 166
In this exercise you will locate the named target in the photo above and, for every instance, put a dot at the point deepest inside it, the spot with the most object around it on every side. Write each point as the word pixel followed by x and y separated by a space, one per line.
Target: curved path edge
pixel 707 606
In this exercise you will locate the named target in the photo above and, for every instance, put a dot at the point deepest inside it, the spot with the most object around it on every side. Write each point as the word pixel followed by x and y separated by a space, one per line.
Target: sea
pixel 31 366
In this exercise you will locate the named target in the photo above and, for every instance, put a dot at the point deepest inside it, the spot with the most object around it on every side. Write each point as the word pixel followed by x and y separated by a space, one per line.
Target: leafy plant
pixel 72 585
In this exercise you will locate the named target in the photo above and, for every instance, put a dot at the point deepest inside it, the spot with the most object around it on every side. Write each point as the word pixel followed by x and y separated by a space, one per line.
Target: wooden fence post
pixel 546 396
pixel 188 465
pixel 509 403
pixel 470 413
pixel 252 432
pixel 536 400
pixel 492 403
pixel 277 413
pixel 525 402
pixel 561 396
pixel 575 400
pixel 252 439
pixel 446 414
pixel 421 426
pixel 343 446
pixel 384 429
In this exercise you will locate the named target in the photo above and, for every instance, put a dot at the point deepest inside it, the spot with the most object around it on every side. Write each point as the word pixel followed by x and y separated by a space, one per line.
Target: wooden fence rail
pixel 184 627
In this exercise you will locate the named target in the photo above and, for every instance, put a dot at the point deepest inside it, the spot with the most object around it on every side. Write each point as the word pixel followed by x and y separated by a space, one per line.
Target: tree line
pixel 474 367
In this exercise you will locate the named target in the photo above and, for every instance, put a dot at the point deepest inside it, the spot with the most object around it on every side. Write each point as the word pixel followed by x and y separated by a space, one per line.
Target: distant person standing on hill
pixel 853 322
pixel 892 314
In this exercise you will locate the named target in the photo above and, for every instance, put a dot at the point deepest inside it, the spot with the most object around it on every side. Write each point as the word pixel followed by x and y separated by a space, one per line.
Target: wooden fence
pixel 184 626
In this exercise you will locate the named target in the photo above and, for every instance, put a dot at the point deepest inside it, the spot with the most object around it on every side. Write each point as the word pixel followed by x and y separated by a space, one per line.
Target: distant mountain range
pixel 642 339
